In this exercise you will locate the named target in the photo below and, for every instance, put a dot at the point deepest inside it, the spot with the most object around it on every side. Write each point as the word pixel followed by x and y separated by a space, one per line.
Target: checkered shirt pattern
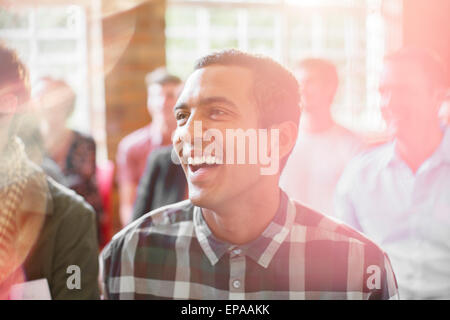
pixel 170 253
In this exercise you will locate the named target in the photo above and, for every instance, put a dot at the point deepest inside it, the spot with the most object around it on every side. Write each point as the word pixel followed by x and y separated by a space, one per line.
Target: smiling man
pixel 403 198
pixel 239 236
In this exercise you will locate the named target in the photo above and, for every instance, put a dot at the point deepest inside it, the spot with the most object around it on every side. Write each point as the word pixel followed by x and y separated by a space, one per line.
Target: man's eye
pixel 181 116
pixel 216 113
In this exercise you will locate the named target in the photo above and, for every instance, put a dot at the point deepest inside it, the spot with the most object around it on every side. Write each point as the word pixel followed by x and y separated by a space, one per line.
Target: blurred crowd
pixel 395 192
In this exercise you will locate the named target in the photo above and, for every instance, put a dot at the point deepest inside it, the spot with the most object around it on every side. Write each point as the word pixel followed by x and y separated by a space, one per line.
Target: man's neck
pixel 316 123
pixel 245 218
pixel 415 148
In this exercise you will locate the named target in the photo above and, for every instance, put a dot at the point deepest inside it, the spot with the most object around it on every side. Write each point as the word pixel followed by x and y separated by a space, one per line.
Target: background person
pixel 162 183
pixel 399 193
pixel 134 149
pixel 73 151
pixel 239 236
pixel 323 147
pixel 30 134
pixel 44 227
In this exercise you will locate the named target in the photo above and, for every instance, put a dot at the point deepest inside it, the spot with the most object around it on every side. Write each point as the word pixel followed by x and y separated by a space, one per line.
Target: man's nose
pixel 182 135
pixel 187 146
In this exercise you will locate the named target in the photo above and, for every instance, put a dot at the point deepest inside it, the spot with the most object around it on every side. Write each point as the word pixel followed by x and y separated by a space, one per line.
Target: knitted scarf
pixel 15 174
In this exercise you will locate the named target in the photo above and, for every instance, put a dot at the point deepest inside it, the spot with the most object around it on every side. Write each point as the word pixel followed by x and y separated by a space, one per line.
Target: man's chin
pixel 196 196
pixel 196 202
pixel 202 198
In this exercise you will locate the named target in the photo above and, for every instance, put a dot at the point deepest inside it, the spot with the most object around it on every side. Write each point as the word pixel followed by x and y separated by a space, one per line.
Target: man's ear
pixel 288 131
pixel 8 103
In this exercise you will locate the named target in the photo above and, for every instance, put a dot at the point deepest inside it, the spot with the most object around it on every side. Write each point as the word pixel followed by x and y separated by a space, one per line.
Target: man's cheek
pixel 177 144
pixel 174 156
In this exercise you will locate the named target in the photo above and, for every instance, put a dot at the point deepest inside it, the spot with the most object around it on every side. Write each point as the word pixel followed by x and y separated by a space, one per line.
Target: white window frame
pixel 382 34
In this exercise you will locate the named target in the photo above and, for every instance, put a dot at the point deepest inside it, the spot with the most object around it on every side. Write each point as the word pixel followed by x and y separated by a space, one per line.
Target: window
pixel 51 41
pixel 354 34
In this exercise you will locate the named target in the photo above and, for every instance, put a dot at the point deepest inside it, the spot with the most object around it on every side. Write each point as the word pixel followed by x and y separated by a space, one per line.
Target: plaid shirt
pixel 170 253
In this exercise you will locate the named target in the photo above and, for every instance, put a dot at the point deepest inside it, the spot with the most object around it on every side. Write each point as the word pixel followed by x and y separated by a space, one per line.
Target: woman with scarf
pixel 47 232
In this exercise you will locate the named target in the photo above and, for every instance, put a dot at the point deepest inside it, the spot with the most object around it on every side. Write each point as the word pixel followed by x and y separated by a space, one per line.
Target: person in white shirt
pixel 323 147
pixel 398 194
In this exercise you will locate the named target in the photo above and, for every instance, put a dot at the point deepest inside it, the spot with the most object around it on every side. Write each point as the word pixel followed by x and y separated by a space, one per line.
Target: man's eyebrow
pixel 218 99
pixel 182 105
pixel 207 101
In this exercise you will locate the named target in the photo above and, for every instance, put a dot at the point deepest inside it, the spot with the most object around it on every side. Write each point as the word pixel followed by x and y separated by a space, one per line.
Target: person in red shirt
pixel 46 230
pixel 133 150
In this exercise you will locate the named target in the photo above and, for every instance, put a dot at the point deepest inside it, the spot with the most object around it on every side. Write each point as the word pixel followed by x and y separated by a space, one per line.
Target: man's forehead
pixel 402 72
pixel 228 81
pixel 305 74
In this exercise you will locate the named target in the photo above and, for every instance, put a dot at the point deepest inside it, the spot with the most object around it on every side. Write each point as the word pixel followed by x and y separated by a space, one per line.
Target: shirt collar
pixel 262 249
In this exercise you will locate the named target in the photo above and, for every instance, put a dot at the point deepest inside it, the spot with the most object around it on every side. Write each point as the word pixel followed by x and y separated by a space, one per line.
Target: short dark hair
pixel 428 61
pixel 324 69
pixel 15 74
pixel 161 76
pixel 275 88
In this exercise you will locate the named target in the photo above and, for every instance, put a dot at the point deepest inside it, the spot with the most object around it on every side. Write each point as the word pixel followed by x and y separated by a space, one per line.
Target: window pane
pixel 56 18
pixel 265 46
pixel 56 46
pixel 258 18
pixel 22 47
pixel 223 17
pixel 350 33
pixel 217 44
pixel 13 19
pixel 180 16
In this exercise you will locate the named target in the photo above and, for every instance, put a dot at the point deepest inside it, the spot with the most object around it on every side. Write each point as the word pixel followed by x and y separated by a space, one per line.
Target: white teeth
pixel 203 160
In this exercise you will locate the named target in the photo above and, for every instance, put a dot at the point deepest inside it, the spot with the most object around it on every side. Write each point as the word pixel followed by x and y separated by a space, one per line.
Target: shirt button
pixel 237 251
pixel 236 284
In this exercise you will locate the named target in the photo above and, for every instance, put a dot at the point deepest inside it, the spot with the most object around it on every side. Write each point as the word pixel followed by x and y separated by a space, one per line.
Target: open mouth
pixel 195 168
pixel 198 163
